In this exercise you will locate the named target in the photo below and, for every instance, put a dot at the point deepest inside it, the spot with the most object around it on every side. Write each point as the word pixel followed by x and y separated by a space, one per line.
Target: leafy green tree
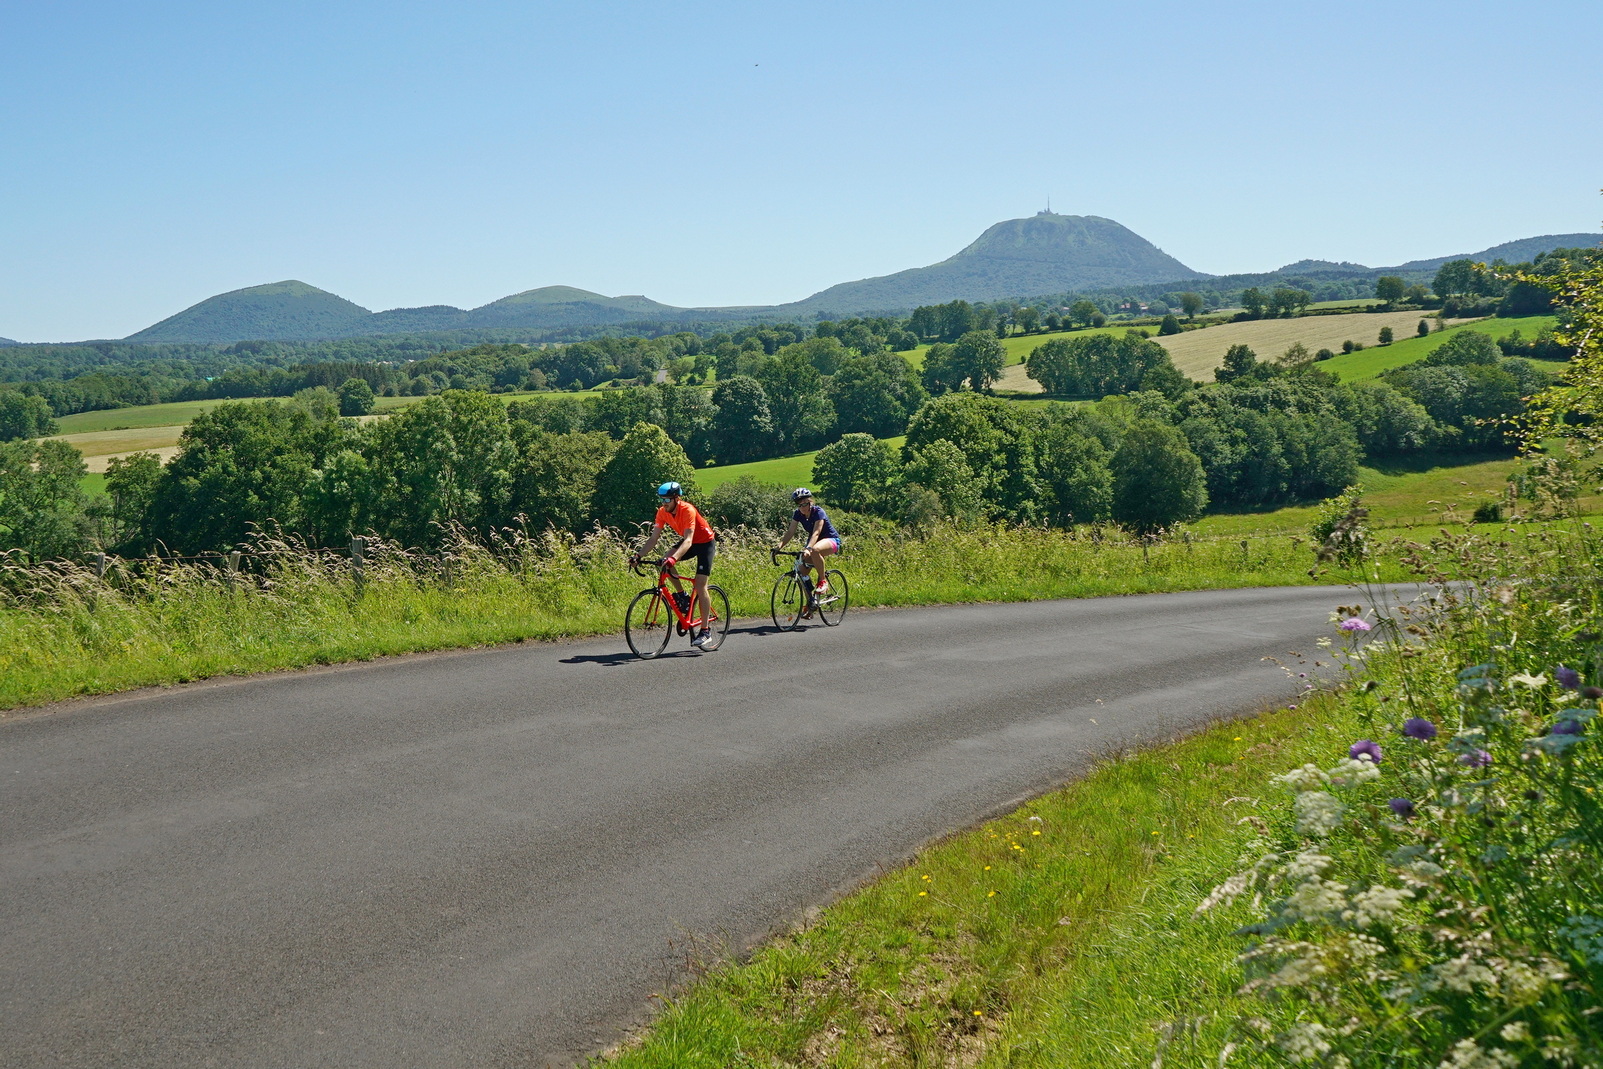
pixel 1029 319
pixel 979 357
pixel 1095 365
pixel 1390 289
pixel 1157 480
pixel 1191 304
pixel 743 425
pixel 130 487
pixel 941 468
pixel 1455 277
pixel 1424 328
pixel 1240 363
pixel 826 354
pixel 1465 347
pixel 356 397
pixel 1386 335
pixel 1098 319
pixel 875 395
pixel 24 416
pixel 941 373
pixel 687 414
pixel 626 487
pixel 242 466
pixel 1170 325
pixel 856 472
pixel 554 478
pixel 1076 482
pixel 447 459
pixel 1286 301
pixel 998 444
pixel 1253 300
pixel 1083 312
pixel 616 411
pixel 802 413
pixel 41 505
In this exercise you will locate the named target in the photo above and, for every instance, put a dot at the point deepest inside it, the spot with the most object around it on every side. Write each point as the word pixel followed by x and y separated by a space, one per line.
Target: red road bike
pixel 657 612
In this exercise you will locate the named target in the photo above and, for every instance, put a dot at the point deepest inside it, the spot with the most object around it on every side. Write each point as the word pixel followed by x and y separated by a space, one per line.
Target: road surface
pixel 495 857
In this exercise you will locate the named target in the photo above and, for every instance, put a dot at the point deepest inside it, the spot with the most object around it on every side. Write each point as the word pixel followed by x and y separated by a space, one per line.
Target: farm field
pixel 794 470
pixel 1370 362
pixel 1198 352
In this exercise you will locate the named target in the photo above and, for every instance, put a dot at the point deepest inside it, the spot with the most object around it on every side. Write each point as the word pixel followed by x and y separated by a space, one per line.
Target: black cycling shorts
pixel 704 552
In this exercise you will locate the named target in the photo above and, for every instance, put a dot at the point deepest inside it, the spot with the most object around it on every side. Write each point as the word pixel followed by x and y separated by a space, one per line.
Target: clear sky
pixel 399 153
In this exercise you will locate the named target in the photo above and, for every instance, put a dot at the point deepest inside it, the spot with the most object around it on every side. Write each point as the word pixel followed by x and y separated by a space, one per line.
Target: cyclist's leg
pixel 704 556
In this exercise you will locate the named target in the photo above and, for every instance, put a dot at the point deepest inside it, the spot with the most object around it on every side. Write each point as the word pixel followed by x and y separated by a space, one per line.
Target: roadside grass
pixel 65 633
pixel 1059 935
pixel 1371 361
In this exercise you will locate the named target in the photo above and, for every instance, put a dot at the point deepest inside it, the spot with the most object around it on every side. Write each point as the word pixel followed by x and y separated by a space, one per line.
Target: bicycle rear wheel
pixel 787 602
pixel 647 624
pixel 719 624
pixel 832 603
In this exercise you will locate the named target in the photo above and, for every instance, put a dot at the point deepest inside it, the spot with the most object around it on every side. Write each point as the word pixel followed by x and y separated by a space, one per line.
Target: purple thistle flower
pixel 1402 807
pixel 1364 750
pixel 1353 623
pixel 1568 678
pixel 1566 727
pixel 1419 728
pixel 1478 759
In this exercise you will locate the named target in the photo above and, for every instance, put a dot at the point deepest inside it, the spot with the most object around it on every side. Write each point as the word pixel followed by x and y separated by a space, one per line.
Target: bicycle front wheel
pixel 647 624
pixel 787 602
pixel 718 625
pixel 832 603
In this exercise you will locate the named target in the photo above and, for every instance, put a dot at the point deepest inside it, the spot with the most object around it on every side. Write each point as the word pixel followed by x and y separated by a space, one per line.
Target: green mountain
pixel 1046 253
pixel 277 311
pixel 4 342
pixel 1513 252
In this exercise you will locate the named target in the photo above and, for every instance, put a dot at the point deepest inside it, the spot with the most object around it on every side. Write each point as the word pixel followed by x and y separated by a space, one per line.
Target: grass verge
pixel 1047 938
pixel 65 632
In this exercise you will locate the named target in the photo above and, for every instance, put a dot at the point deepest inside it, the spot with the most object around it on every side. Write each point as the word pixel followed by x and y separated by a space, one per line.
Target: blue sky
pixel 153 154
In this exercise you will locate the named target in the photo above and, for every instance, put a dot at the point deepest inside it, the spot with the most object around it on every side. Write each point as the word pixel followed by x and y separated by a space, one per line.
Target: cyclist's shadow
pixel 622 657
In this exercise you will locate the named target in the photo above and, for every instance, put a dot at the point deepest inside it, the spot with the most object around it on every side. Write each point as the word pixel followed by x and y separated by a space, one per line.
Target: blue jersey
pixel 810 523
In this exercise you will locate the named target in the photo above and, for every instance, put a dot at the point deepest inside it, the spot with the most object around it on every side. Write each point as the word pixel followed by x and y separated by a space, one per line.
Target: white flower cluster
pixel 1378 905
pixel 1304 1042
pixel 1316 899
pixel 1318 813
pixel 1462 974
pixel 1307 864
pixel 1467 1055
pixel 1306 778
pixel 1350 773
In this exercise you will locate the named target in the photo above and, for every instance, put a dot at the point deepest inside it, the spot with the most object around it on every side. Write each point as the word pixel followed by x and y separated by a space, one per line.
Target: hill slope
pixel 1046 253
pixel 1513 252
pixel 280 310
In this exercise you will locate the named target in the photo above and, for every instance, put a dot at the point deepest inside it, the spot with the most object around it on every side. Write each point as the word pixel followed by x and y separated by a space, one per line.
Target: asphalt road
pixel 494 858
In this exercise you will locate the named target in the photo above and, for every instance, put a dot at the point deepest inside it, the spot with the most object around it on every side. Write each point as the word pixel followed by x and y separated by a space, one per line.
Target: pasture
pixel 1368 363
pixel 1198 352
pixel 794 470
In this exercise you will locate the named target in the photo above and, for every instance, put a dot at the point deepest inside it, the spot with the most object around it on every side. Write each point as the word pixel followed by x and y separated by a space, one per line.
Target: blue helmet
pixel 669 488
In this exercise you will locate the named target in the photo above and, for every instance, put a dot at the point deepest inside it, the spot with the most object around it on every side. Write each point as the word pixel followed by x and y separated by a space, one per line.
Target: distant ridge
pixel 7 341
pixel 1018 259
pixel 1046 253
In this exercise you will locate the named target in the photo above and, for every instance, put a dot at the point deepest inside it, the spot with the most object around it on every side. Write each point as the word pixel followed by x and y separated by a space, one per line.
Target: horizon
pixel 719 156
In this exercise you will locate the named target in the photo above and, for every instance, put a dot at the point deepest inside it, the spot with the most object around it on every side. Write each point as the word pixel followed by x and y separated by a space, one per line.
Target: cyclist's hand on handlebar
pixel 634 560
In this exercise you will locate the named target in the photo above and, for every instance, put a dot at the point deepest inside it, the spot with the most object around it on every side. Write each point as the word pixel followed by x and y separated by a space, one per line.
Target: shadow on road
pixel 612 660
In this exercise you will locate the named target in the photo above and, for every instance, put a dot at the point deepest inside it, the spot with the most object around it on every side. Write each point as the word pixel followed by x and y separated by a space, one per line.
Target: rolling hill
pixel 1046 253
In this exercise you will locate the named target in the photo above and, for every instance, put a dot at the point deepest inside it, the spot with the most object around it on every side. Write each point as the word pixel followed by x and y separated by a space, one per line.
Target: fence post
pixel 358 561
pixel 100 565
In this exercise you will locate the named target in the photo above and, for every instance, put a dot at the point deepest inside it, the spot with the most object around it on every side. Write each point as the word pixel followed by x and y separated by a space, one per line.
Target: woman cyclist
pixel 822 539
pixel 697 539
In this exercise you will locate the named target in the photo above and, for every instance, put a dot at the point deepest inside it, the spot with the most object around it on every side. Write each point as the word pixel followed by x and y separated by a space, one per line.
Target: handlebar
pixel 774 554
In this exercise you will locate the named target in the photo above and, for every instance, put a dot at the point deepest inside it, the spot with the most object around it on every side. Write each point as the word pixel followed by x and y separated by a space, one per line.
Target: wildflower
pixel 1419 728
pixel 1402 807
pixel 1306 778
pixel 1526 679
pixel 1565 727
pixel 1568 678
pixel 1364 750
pixel 1516 1031
pixel 1303 1042
pixel 1350 773
pixel 1378 905
pixel 1585 934
pixel 1466 1055
pixel 1461 974
pixel 1592 692
pixel 1475 759
pixel 1353 623
pixel 1318 813
pixel 1307 864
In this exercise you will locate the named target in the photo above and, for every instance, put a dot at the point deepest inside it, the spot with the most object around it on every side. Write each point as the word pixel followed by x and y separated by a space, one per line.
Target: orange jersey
pixel 682 519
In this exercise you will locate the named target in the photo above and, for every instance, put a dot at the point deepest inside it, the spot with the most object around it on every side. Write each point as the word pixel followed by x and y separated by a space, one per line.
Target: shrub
pixel 747 502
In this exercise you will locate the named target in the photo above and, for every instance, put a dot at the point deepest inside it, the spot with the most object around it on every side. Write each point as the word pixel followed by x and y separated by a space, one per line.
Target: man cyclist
pixel 696 538
pixel 822 539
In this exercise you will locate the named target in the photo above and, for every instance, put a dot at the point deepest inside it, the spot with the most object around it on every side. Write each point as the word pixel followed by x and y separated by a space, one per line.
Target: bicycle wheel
pixel 720 617
pixel 832 604
pixel 647 624
pixel 787 602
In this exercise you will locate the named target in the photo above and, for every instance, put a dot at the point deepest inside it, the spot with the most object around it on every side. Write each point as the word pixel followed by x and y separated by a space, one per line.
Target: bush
pixel 1489 512
pixel 746 502
pixel 1385 335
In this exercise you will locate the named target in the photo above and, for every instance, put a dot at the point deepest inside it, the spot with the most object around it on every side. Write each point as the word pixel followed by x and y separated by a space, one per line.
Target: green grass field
pixel 1368 363
pixel 794 470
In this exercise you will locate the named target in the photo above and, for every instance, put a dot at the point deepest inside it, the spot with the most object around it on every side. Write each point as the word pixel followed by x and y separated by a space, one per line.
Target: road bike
pixel 656 613
pixel 793 599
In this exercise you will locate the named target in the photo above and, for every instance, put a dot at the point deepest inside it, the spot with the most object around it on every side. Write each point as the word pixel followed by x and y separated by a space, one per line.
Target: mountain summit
pixel 1043 254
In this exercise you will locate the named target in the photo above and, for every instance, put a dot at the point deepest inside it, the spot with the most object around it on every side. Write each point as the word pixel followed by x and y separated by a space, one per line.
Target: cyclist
pixel 822 539
pixel 696 538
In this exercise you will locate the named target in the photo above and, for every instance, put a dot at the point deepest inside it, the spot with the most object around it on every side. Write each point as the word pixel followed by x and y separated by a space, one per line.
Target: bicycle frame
pixel 663 572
